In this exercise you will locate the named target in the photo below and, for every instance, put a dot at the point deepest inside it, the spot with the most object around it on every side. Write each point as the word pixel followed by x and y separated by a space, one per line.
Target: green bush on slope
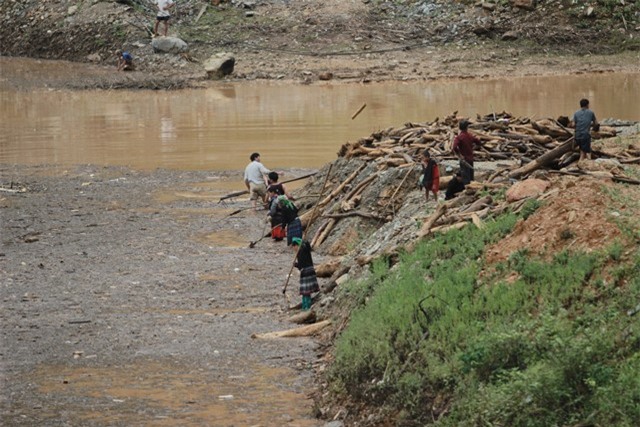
pixel 555 347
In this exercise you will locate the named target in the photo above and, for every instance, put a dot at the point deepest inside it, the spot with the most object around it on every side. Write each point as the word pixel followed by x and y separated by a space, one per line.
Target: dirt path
pixel 126 300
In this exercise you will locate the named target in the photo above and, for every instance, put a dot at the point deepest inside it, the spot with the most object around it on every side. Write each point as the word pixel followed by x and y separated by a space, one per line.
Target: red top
pixel 464 143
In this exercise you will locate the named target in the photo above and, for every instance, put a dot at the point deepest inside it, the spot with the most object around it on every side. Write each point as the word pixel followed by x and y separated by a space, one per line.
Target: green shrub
pixel 550 348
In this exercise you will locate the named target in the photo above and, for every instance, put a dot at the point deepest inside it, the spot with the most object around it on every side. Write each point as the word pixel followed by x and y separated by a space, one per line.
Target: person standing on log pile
pixel 308 278
pixel 430 175
pixel 255 180
pixel 582 121
pixel 463 146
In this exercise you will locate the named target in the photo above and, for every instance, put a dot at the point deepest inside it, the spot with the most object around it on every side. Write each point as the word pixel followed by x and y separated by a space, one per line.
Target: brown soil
pixel 577 218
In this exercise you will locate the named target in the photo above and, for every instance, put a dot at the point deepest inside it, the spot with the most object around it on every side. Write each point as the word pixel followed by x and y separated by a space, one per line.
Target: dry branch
pixel 303 331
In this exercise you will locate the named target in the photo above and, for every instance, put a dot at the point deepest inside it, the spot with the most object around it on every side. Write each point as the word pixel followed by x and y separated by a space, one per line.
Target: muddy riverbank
pixel 130 298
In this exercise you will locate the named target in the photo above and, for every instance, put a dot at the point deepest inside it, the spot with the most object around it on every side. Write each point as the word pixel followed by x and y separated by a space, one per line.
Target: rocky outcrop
pixel 219 65
pixel 169 45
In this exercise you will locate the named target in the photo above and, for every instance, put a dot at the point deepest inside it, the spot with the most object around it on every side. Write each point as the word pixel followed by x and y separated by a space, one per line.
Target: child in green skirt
pixel 308 278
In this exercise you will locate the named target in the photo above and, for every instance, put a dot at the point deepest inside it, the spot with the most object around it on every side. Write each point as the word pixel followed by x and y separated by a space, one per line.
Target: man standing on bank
pixel 463 146
pixel 163 15
pixel 582 120
pixel 255 179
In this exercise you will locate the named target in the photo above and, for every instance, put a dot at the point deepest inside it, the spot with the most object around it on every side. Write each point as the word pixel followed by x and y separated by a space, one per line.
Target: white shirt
pixel 254 172
pixel 161 5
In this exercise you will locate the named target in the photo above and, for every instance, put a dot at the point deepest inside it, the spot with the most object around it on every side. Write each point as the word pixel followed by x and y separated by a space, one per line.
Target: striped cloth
pixel 308 281
pixel 294 229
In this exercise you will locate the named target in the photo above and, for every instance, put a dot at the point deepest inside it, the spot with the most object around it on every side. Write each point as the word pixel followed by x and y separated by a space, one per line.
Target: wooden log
pixel 327 230
pixel 551 128
pixel 478 204
pixel 303 331
pixel 355 213
pixel 358 112
pixel 445 228
pixel 319 232
pixel 240 193
pixel 202 10
pixel 452 219
pixel 630 161
pixel 328 268
pixel 340 187
pixel 475 218
pixel 426 228
pixel 543 160
pixel 308 316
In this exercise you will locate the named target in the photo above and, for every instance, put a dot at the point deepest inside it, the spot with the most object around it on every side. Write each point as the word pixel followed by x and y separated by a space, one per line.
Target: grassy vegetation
pixel 556 344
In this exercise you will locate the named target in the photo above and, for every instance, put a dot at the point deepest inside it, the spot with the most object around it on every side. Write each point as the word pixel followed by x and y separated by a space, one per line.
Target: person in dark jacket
pixel 463 146
pixel 275 215
pixel 290 219
pixel 455 186
pixel 308 278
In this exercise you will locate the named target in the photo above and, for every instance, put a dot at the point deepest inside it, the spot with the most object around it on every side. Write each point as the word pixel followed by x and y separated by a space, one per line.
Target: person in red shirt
pixel 430 175
pixel 463 146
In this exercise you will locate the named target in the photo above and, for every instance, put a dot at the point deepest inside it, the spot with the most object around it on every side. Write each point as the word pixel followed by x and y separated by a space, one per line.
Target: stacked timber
pixel 371 207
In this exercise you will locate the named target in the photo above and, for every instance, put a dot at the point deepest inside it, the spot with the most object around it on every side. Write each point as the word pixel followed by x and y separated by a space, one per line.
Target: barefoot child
pixel 431 175
pixel 308 279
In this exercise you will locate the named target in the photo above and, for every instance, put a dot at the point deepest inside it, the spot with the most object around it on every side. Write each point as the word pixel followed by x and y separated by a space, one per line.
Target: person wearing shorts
pixel 255 179
pixel 583 119
pixel 163 15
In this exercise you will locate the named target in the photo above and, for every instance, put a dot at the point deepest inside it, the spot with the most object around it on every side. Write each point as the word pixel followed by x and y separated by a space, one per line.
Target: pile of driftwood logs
pixel 529 144
pixel 376 175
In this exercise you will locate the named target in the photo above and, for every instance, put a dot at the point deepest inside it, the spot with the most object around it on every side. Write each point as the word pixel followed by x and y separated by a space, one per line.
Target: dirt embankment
pixel 346 40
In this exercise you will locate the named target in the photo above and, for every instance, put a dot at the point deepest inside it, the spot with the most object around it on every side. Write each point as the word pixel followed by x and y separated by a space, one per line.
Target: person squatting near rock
pixel 430 175
pixel 582 121
pixel 290 219
pixel 125 61
pixel 463 146
pixel 255 179
pixel 164 6
pixel 308 278
pixel 275 215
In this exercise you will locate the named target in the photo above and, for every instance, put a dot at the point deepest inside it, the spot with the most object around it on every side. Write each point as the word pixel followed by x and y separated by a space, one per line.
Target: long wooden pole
pixel 240 193
pixel 324 185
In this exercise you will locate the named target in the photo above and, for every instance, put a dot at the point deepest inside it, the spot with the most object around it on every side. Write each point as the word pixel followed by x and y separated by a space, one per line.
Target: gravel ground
pixel 126 300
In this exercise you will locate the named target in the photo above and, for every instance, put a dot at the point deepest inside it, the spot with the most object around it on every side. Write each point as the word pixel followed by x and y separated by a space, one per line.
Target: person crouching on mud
pixel 308 278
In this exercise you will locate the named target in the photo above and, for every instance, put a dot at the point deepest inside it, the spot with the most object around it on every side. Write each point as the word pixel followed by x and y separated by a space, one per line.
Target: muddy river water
pixel 290 125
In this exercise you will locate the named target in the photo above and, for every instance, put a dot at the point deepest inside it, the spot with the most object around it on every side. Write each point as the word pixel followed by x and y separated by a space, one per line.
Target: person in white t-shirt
pixel 255 179
pixel 163 15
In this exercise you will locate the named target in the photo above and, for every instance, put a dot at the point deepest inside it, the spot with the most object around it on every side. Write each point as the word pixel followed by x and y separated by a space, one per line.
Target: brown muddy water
pixel 292 126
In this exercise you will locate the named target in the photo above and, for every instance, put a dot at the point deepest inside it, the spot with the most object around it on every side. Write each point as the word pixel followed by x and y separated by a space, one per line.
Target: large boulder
pixel 219 65
pixel 531 187
pixel 169 45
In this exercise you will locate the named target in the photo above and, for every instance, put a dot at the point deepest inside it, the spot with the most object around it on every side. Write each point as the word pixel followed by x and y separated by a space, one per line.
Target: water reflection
pixel 291 126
